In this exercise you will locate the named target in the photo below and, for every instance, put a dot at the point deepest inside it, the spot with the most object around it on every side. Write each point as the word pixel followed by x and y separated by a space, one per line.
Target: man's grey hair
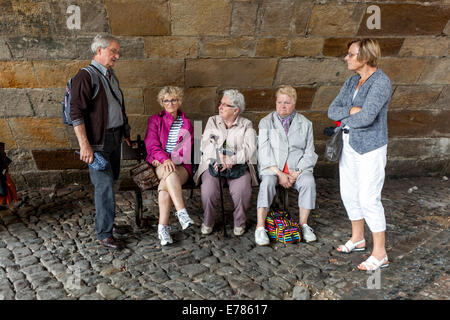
pixel 102 40
pixel 236 98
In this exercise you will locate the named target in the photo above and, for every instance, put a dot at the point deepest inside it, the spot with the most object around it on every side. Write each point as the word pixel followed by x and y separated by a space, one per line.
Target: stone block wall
pixel 207 46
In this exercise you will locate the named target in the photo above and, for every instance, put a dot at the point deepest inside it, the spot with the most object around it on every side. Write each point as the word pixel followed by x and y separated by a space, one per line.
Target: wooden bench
pixel 138 152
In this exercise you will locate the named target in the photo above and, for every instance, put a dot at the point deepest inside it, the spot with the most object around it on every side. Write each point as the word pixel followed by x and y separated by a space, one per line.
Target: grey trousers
pixel 305 186
pixel 241 193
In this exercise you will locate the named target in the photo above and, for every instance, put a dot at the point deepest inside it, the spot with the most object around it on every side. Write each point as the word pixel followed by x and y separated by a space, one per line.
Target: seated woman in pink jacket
pixel 169 142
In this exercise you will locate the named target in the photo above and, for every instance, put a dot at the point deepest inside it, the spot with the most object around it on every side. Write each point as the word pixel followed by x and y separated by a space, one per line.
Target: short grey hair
pixel 236 98
pixel 102 40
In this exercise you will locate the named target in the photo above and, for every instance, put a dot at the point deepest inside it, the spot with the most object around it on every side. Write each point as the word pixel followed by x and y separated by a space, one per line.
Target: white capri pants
pixel 361 178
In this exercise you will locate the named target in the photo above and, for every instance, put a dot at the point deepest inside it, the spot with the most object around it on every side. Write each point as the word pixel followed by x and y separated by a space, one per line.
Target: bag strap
pixel 95 83
pixel 98 72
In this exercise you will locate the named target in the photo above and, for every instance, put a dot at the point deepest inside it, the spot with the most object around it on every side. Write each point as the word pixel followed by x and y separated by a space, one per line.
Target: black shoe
pixel 110 243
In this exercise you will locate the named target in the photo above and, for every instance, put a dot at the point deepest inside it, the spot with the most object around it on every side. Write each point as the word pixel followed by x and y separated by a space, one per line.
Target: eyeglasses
pixel 173 101
pixel 351 55
pixel 226 105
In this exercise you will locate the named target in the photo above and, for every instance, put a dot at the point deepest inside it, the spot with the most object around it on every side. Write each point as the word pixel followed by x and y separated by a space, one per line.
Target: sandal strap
pixel 349 245
pixel 373 263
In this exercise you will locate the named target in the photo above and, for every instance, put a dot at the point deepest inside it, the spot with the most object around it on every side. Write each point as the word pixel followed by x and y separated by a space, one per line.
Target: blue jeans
pixel 103 181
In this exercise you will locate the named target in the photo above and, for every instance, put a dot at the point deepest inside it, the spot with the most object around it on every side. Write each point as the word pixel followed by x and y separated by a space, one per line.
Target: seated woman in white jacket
pixel 286 156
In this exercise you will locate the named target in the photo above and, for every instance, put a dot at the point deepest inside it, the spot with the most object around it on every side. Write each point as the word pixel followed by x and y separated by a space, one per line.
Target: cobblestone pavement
pixel 48 250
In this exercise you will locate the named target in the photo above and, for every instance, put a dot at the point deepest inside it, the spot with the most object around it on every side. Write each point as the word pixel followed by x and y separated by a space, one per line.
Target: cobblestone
pixel 49 250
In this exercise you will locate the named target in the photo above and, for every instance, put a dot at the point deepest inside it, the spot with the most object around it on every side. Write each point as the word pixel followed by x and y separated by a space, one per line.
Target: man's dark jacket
pixel 93 113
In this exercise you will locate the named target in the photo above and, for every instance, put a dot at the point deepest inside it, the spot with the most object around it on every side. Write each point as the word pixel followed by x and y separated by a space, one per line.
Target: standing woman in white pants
pixel 361 106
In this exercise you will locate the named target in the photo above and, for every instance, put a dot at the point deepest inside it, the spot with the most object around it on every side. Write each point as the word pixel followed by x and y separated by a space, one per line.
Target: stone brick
pixel 306 47
pixel 234 73
pixel 5 52
pixel 23 17
pixel 200 100
pixel 320 121
pixel 46 102
pixel 72 138
pixel 150 101
pixel 399 168
pixel 147 17
pixel 324 97
pixel 6 135
pixel 93 17
pixel 134 100
pixel 272 47
pixel 335 19
pixel 259 99
pixel 412 97
pixel 57 160
pixel 436 72
pixel 337 47
pixel 132 48
pixel 265 100
pixel 298 71
pixel 276 17
pixel 171 47
pixel 418 123
pixel 408 19
pixel 302 14
pixel 243 18
pixel 55 74
pixel 143 73
pixel 17 74
pixel 419 47
pixel 14 103
pixel 418 147
pixel 447 29
pixel 226 47
pixel 406 70
pixel 22 160
pixel 443 101
pixel 42 48
pixel 33 133
pixel 201 17
pixel 138 125
pixel 39 180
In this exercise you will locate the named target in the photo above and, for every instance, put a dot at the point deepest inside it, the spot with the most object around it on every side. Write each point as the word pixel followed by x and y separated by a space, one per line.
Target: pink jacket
pixel 156 139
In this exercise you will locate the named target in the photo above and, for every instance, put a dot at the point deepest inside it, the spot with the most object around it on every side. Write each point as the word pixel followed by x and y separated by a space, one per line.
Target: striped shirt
pixel 173 134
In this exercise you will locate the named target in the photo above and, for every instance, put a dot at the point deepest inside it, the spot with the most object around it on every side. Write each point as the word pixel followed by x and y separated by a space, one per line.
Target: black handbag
pixel 235 172
pixel 333 147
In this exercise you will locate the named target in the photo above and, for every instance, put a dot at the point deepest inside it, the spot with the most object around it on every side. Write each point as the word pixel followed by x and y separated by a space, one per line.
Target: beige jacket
pixel 241 139
pixel 275 148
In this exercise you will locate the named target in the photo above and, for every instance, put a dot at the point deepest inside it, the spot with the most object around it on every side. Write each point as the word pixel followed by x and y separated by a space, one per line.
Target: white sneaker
pixel 261 237
pixel 206 230
pixel 164 235
pixel 184 219
pixel 308 233
pixel 239 231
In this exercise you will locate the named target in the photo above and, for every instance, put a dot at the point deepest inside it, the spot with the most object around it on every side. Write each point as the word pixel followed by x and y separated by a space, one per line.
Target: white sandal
pixel 349 246
pixel 373 263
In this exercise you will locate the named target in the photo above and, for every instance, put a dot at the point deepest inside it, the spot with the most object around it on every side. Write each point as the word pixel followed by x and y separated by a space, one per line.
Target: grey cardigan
pixel 275 148
pixel 368 128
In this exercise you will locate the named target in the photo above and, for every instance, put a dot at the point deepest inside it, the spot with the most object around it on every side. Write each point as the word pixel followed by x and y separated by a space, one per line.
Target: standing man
pixel 100 124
